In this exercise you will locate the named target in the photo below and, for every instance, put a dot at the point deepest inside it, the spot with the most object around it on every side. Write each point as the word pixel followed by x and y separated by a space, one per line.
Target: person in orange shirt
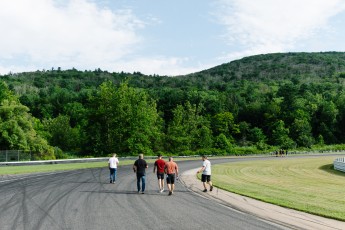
pixel 171 169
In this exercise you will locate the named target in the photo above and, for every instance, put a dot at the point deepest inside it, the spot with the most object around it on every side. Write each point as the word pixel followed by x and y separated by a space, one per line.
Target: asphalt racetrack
pixel 84 199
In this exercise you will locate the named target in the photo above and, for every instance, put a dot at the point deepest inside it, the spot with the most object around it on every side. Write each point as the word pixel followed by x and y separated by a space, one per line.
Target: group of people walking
pixel 281 152
pixel 170 169
pixel 161 169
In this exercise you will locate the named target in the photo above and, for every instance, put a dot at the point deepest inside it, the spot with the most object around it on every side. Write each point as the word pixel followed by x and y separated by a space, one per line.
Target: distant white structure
pixel 339 164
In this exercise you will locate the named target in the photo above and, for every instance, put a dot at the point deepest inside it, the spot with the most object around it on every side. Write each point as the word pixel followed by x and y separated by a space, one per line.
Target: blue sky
pixel 160 36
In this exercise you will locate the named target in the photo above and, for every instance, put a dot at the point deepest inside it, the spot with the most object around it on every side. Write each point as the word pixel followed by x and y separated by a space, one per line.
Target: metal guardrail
pixel 339 164
pixel 80 160
pixel 65 161
pixel 44 162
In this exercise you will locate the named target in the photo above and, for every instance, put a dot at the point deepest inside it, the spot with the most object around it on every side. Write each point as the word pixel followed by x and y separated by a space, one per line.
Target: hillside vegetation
pixel 255 104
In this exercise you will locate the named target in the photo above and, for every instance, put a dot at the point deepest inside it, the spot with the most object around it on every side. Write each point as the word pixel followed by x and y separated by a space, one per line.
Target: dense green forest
pixel 255 104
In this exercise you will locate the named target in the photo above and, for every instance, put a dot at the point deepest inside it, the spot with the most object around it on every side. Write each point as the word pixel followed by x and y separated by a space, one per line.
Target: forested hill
pixel 259 103
pixel 304 67
pixel 281 66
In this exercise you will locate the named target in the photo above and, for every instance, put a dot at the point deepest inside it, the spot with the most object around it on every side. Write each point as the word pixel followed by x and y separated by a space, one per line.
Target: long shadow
pixel 87 182
pixel 329 168
pixel 125 192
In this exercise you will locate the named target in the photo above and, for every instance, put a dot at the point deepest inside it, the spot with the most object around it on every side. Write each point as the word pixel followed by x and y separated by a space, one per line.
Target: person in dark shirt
pixel 139 168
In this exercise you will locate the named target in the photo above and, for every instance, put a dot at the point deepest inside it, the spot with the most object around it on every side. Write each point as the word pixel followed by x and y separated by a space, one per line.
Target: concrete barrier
pixel 339 164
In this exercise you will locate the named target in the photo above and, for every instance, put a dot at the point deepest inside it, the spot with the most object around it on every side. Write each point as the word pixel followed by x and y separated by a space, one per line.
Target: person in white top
pixel 112 164
pixel 206 173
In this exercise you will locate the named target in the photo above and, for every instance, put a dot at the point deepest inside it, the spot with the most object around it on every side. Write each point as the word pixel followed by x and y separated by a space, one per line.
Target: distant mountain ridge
pixel 303 67
pixel 279 66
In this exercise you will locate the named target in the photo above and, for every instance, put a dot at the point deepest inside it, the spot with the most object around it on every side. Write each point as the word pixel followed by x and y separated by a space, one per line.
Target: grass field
pixel 10 170
pixel 7 170
pixel 310 185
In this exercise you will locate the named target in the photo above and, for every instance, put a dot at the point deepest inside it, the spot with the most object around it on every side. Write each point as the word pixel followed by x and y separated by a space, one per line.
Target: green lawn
pixel 310 185
pixel 7 170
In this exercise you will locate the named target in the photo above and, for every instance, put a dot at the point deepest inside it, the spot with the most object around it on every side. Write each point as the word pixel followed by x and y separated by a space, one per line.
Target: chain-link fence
pixel 15 155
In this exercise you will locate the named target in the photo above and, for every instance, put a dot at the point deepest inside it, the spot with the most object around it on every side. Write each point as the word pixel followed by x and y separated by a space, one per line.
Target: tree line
pixel 256 104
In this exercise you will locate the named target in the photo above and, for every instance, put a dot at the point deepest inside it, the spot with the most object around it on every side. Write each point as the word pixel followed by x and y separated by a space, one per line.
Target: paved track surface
pixel 84 199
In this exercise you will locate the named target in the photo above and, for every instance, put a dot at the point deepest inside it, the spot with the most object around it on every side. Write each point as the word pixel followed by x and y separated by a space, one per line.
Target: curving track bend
pixel 84 199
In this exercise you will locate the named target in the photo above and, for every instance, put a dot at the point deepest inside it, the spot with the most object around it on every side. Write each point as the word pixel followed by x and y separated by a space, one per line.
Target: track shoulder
pixel 273 213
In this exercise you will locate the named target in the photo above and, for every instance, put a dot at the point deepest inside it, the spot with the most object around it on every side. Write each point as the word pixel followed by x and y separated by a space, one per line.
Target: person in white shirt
pixel 112 164
pixel 206 173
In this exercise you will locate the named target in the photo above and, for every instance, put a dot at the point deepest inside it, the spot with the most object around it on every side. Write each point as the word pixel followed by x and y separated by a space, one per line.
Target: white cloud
pixel 41 34
pixel 170 66
pixel 267 26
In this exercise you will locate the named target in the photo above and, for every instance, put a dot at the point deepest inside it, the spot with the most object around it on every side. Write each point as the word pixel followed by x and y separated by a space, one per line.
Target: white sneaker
pixel 162 190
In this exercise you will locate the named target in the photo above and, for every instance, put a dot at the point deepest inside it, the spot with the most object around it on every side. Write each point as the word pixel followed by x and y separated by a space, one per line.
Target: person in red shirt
pixel 171 170
pixel 159 167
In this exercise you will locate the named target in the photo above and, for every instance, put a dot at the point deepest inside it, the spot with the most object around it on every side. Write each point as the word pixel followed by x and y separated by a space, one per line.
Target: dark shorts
pixel 160 176
pixel 170 178
pixel 205 178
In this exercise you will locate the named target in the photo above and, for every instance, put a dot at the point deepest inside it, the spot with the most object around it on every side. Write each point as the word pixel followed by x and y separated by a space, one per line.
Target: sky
pixel 162 37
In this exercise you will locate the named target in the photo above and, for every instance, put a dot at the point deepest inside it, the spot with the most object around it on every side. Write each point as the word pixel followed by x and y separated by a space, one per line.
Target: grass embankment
pixel 25 169
pixel 6 170
pixel 310 185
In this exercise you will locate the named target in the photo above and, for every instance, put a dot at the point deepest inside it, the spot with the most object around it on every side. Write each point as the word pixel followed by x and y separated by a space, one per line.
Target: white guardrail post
pixel 339 164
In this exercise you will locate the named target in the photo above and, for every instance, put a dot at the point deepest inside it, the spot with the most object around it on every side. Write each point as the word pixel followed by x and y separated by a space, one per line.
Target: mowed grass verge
pixel 309 185
pixel 26 169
